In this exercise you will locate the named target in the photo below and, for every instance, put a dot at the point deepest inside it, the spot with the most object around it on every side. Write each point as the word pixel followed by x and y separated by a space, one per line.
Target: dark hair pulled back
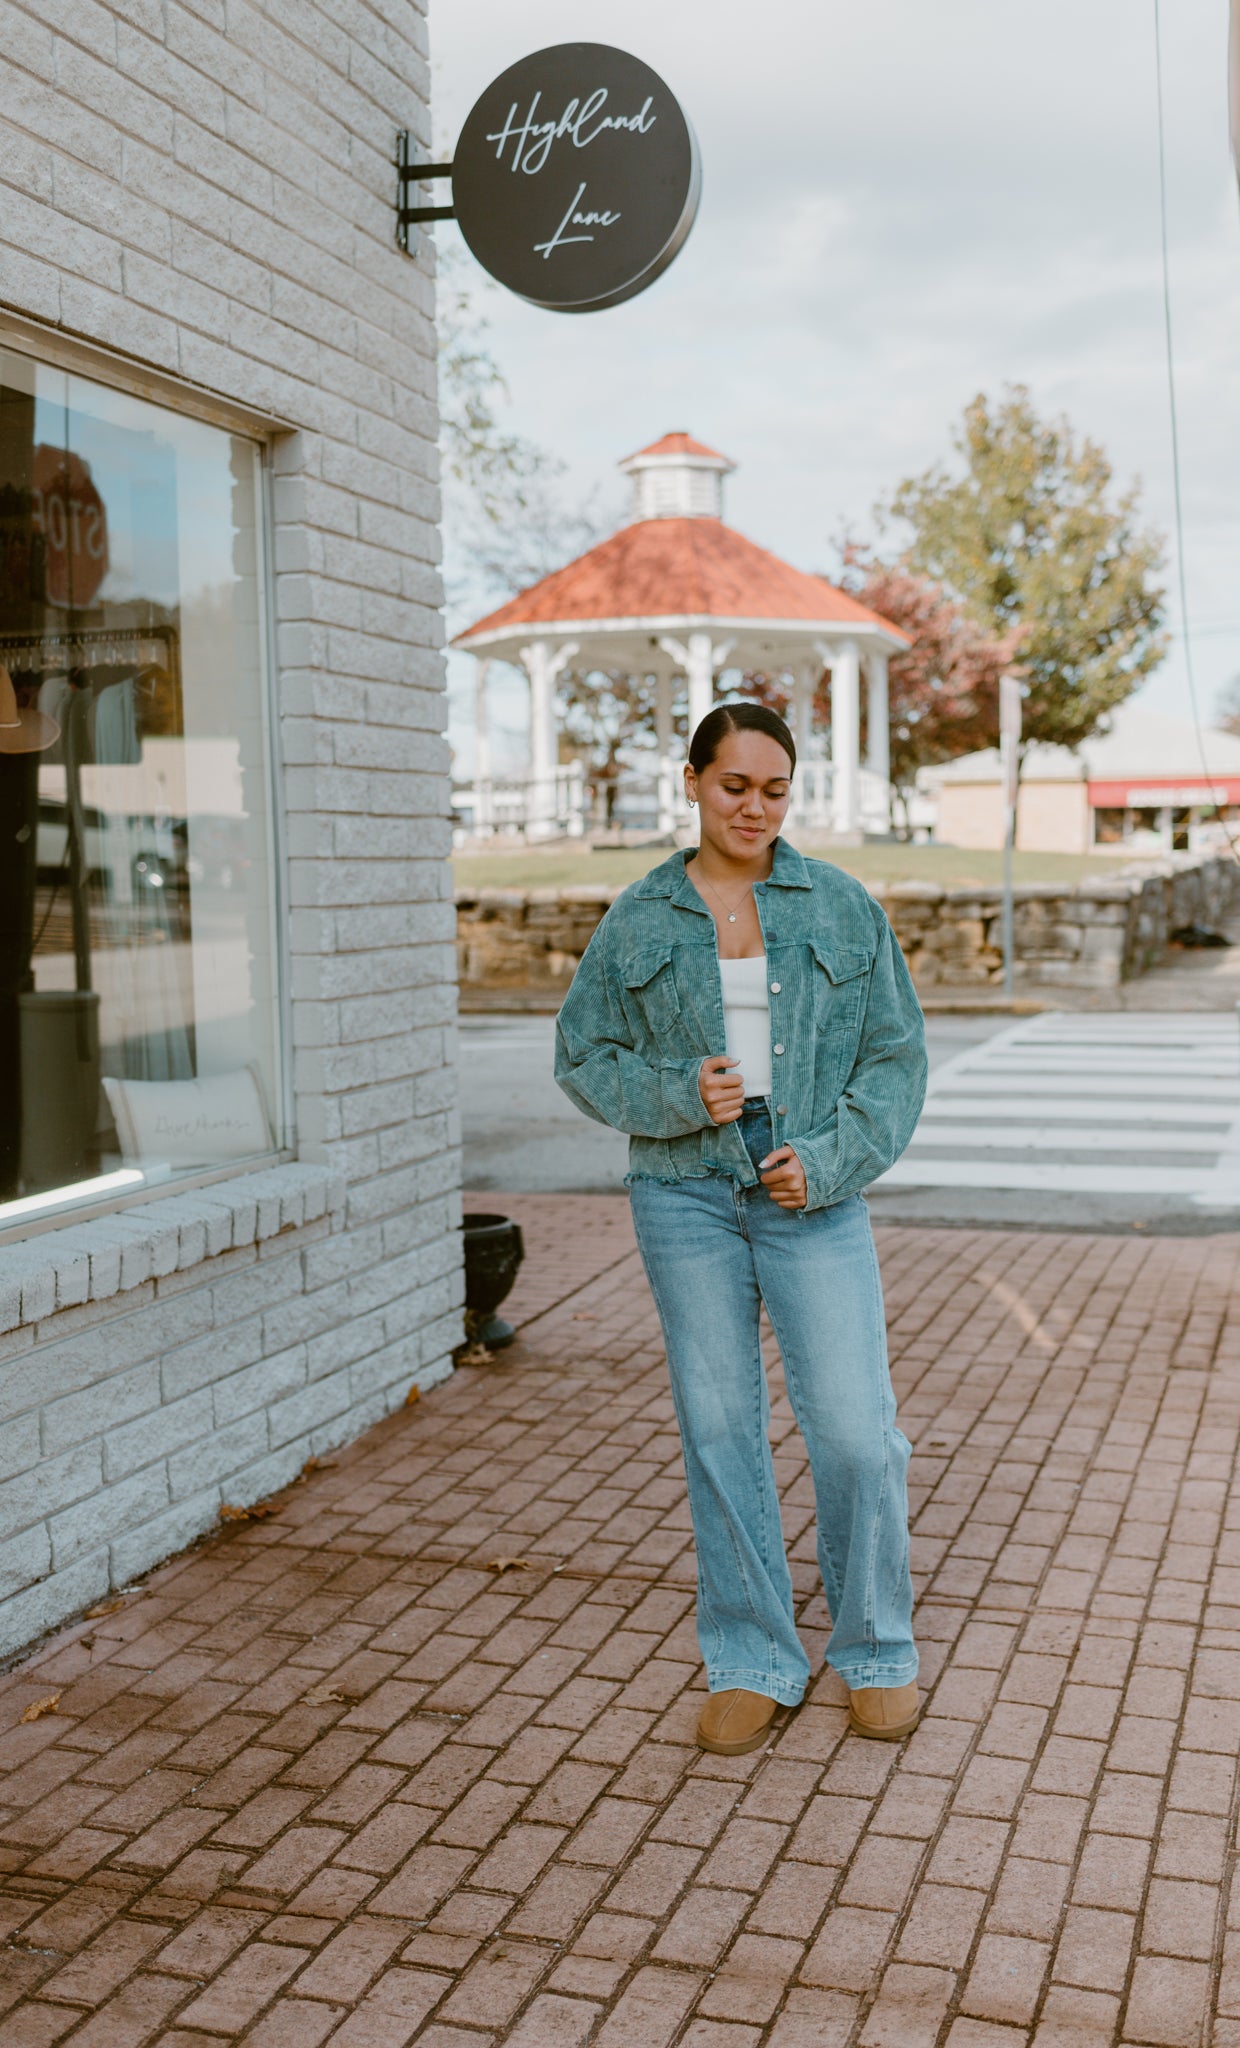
pixel 745 716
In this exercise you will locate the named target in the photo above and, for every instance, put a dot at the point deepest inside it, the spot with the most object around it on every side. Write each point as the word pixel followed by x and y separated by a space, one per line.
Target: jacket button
pixel 781 1109
pixel 777 1048
pixel 775 987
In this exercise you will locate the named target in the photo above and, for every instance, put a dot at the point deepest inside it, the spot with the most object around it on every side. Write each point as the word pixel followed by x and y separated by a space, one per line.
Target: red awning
pixel 1150 793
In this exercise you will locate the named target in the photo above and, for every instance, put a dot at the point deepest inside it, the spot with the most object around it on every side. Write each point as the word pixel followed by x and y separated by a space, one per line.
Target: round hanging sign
pixel 576 178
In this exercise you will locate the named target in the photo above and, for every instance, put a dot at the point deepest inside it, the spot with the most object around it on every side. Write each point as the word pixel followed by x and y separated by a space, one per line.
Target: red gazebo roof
pixel 679 444
pixel 682 569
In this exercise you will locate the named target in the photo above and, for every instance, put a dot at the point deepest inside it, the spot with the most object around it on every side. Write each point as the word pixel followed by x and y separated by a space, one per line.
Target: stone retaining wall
pixel 525 943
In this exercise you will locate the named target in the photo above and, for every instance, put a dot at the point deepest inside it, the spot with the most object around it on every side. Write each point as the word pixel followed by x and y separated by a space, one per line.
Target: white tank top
pixel 747 1018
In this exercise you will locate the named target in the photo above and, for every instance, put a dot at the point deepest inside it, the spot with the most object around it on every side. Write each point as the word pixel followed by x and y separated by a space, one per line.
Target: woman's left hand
pixel 783 1177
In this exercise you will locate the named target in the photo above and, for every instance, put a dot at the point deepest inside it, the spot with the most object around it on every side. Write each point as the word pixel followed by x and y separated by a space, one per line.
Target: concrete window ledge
pixel 96 1260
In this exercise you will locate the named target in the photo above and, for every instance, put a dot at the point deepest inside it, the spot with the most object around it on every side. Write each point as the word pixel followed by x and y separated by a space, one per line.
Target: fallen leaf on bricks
pixel 102 1607
pixel 414 1394
pixel 585 1315
pixel 325 1696
pixel 254 1514
pixel 37 1708
pixel 313 1465
pixel 509 1564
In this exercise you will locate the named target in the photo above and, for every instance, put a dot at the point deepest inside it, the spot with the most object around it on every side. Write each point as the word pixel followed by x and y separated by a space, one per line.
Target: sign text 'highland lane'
pixel 582 123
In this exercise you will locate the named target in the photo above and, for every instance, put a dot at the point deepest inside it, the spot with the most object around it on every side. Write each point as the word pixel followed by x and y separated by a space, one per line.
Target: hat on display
pixel 22 732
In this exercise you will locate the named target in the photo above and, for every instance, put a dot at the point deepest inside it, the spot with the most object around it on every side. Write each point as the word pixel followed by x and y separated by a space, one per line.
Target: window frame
pixel 264 431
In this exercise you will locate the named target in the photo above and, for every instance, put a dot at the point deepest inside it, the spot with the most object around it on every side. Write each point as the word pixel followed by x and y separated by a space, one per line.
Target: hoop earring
pixel 692 802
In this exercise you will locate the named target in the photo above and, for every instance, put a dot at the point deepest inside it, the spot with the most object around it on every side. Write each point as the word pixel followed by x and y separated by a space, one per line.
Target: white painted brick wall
pixel 127 1421
pixel 208 188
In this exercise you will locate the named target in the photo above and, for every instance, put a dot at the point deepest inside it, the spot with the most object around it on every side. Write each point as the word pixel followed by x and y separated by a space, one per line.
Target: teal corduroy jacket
pixel 848 1048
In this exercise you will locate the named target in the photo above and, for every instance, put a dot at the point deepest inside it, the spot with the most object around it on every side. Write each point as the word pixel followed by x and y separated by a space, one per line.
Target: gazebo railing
pixel 813 792
pixel 574 802
pixel 522 806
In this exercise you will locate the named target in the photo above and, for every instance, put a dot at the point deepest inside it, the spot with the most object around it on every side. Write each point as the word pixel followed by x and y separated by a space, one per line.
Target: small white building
pixel 1152 783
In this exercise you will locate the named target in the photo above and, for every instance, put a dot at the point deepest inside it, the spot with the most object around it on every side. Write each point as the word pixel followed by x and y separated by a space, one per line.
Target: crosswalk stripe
pixel 1107 1084
pixel 1106 1100
pixel 1136 1023
pixel 1084 1137
pixel 1059 1178
pixel 1230 1036
pixel 1219 1052
pixel 1089 1105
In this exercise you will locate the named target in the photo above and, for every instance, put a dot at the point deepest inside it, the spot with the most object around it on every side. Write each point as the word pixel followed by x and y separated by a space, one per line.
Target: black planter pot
pixel 493 1252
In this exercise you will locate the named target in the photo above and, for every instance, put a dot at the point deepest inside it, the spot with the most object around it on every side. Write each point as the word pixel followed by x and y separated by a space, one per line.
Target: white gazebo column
pixel 878 716
pixel 700 671
pixel 846 737
pixel 483 809
pixel 543 664
pixel 700 657
pixel 803 705
pixel 663 748
pixel 804 680
pixel 878 722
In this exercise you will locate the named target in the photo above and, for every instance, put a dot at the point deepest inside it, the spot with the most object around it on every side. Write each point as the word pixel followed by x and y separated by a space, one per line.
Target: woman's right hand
pixel 723 1093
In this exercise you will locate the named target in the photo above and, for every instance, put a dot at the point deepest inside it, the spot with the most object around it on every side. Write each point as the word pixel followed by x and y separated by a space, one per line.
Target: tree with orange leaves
pixel 944 688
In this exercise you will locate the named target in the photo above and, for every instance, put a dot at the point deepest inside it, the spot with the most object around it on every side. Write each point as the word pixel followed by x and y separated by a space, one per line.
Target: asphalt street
pixel 523 1135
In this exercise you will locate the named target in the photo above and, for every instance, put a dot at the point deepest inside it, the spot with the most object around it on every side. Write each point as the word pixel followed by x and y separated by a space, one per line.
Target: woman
pixel 746 1015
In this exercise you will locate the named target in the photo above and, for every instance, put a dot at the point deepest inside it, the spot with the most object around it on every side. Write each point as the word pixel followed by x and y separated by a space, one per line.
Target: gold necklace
pixel 723 899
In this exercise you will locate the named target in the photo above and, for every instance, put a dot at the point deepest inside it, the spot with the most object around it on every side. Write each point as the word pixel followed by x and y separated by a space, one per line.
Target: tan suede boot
pixel 732 1722
pixel 886 1713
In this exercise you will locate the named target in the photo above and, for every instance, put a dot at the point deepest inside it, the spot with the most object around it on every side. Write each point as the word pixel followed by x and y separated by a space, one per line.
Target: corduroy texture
pixel 847 1037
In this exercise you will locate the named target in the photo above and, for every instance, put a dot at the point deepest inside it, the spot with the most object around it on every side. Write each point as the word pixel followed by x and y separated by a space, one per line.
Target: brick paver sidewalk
pixel 333 1777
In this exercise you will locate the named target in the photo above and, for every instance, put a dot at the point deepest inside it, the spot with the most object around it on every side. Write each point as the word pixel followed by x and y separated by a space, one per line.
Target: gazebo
pixel 678 595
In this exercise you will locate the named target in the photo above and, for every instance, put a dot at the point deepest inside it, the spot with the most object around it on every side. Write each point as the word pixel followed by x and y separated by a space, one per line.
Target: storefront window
pixel 138 969
pixel 1109 827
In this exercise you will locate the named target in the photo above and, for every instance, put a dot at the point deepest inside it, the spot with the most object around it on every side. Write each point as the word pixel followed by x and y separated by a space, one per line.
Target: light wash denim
pixel 714 1249
pixel 848 1046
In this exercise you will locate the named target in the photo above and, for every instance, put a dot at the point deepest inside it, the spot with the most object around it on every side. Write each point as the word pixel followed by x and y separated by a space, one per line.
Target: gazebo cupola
pixel 676 478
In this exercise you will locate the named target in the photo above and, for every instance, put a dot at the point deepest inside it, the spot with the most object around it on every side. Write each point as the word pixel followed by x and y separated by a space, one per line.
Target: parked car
pixel 161 860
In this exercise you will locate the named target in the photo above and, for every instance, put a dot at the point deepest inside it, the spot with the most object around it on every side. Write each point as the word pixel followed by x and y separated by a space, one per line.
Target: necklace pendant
pixel 731 917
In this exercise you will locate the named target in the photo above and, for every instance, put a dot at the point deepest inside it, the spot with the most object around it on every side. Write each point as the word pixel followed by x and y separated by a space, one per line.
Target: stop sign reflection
pixel 68 512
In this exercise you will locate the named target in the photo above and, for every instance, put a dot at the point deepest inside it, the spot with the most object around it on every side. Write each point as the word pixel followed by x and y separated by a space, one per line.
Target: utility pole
pixel 1233 68
pixel 1009 771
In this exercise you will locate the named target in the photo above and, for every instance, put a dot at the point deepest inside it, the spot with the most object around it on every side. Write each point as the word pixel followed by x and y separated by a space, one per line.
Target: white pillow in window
pixel 190 1123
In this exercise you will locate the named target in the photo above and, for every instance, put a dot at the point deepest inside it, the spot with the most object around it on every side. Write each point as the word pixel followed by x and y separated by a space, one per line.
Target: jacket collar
pixel 671 877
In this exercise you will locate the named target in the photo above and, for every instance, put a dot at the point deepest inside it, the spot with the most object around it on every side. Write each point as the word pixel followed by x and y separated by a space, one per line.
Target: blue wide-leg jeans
pixel 714 1251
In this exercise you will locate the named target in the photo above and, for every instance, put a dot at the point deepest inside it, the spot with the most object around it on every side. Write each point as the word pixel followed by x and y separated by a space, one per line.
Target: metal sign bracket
pixel 410 174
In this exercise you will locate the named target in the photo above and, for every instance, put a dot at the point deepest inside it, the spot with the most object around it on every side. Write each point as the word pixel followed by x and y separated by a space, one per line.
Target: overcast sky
pixel 904 204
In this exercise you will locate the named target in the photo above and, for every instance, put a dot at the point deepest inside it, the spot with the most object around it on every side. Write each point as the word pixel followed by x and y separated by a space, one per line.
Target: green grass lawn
pixel 952 867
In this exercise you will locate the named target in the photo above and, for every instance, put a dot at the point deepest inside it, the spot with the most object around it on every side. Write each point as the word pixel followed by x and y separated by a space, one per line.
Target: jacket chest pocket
pixel 840 978
pixel 650 987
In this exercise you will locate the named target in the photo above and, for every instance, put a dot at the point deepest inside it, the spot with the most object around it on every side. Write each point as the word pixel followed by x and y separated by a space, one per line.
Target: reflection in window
pixel 137 964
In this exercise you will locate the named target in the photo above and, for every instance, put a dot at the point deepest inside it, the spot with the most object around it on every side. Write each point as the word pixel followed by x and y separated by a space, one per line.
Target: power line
pixel 1186 632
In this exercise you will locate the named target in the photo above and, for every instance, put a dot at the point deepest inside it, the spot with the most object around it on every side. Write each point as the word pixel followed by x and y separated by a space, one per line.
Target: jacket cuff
pixel 682 1097
pixel 819 1156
